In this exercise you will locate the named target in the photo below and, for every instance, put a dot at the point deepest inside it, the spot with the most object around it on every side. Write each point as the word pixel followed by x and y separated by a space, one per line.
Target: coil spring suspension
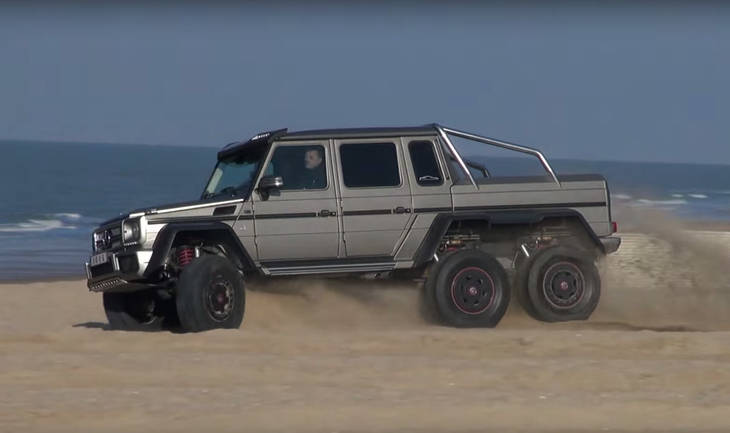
pixel 185 255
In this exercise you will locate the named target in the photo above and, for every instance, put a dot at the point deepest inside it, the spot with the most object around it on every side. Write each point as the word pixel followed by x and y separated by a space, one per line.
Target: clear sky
pixel 622 82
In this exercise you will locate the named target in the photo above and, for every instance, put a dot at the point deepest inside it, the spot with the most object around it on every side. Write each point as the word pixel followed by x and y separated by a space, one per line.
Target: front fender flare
pixel 166 237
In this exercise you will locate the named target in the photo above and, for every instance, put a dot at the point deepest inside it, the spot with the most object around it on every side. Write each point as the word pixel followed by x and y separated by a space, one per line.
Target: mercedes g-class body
pixel 381 202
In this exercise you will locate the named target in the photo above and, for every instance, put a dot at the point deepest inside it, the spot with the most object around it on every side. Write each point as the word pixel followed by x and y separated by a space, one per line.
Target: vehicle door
pixel 430 187
pixel 298 219
pixel 375 195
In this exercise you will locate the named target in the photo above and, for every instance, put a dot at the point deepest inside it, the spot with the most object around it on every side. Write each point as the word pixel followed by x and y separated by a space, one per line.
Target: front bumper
pixel 116 271
pixel 610 244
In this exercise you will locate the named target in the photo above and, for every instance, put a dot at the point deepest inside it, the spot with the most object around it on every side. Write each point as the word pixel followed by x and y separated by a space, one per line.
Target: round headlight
pixel 131 231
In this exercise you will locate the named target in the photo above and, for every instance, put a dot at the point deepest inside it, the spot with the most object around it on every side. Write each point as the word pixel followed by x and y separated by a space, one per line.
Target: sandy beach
pixel 326 356
pixel 490 150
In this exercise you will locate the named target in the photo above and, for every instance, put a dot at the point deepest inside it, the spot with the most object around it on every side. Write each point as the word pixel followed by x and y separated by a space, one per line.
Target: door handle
pixel 327 212
pixel 401 209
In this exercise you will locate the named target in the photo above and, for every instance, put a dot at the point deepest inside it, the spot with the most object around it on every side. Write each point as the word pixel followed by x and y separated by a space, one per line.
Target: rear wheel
pixel 469 289
pixel 134 311
pixel 519 286
pixel 562 284
pixel 210 294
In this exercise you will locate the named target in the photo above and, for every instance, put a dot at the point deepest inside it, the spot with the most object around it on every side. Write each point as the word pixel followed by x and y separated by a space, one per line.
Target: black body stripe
pixel 431 209
pixel 368 212
pixel 287 215
pixel 534 206
pixel 377 212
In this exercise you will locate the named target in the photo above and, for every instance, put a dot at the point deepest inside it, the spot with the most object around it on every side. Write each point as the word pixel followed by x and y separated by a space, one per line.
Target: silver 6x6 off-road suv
pixel 382 202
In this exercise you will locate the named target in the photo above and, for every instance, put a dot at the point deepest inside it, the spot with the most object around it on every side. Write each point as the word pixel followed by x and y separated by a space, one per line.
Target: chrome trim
pixel 503 144
pixel 442 132
pixel 192 206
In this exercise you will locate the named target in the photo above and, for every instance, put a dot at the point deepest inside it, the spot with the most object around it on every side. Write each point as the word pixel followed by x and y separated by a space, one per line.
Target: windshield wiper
pixel 231 191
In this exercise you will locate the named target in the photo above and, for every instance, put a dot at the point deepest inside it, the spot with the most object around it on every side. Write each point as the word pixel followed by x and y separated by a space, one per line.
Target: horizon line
pixel 198 146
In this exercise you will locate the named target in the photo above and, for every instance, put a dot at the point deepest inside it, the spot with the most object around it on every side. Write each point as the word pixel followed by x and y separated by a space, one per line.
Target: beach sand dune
pixel 339 355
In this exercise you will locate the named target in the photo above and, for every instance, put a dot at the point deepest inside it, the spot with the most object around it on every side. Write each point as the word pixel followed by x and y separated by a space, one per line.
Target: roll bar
pixel 444 133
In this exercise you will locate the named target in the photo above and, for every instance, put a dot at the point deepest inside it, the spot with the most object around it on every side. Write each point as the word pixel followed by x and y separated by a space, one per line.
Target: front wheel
pixel 469 289
pixel 210 294
pixel 134 311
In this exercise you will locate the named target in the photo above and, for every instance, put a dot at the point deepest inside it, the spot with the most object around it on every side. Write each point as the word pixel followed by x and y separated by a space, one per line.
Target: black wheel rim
pixel 220 297
pixel 472 290
pixel 563 285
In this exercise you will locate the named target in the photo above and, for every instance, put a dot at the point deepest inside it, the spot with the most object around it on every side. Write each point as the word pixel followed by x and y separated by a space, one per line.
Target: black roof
pixel 284 134
pixel 360 132
pixel 257 140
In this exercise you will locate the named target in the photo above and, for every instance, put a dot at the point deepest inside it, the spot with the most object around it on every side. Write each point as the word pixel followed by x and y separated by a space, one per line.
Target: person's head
pixel 313 158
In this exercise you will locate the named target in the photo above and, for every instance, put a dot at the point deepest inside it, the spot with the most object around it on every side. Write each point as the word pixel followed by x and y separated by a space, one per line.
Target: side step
pixel 328 269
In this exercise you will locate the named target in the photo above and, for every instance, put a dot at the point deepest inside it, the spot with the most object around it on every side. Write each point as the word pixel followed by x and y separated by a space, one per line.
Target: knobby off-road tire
pixel 559 284
pixel 134 311
pixel 210 294
pixel 519 285
pixel 468 289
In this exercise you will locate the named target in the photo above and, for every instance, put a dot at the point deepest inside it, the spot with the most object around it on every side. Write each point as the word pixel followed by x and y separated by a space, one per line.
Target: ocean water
pixel 54 194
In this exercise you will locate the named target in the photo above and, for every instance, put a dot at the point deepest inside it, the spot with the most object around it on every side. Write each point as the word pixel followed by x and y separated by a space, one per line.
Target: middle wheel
pixel 469 288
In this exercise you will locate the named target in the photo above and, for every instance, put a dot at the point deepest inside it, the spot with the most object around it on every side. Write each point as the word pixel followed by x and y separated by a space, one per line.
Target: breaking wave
pixel 74 216
pixel 621 196
pixel 647 202
pixel 34 225
pixel 56 221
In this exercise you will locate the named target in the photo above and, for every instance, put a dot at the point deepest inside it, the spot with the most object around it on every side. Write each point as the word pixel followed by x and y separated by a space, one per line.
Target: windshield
pixel 233 176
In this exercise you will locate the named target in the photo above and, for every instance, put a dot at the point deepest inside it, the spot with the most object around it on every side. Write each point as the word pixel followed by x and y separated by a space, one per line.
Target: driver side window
pixel 301 167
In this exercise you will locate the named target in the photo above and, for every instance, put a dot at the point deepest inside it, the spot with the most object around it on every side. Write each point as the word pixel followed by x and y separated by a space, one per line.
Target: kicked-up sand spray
pixel 663 278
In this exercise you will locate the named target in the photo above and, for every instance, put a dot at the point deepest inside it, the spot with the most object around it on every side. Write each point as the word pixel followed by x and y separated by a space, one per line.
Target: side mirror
pixel 268 184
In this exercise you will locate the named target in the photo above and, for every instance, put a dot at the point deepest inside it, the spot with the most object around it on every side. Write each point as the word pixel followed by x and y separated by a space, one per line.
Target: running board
pixel 328 269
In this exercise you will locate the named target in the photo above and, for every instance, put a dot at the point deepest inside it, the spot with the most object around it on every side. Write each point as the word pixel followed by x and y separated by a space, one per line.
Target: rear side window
pixel 425 166
pixel 367 165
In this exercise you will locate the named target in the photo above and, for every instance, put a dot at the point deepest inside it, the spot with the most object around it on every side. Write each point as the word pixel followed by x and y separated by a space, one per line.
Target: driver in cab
pixel 314 175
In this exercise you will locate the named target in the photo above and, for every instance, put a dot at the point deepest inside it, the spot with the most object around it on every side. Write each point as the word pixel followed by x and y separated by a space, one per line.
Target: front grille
pixel 108 238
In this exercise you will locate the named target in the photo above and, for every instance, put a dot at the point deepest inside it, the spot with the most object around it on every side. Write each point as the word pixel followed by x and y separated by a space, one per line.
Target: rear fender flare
pixel 442 222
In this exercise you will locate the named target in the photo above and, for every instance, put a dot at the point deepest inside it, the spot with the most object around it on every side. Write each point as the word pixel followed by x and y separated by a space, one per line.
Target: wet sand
pixel 325 356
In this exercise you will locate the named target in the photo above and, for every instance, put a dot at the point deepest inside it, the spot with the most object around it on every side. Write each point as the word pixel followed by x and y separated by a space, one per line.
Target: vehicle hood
pixel 171 207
